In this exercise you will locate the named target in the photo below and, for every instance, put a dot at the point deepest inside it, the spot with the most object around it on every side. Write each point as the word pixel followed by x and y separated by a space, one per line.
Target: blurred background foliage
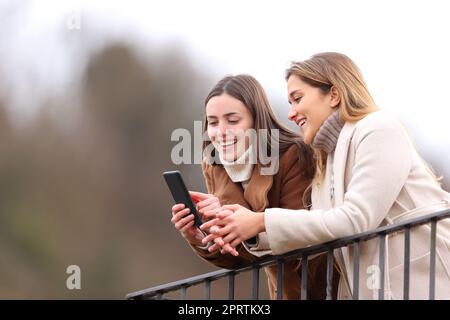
pixel 94 195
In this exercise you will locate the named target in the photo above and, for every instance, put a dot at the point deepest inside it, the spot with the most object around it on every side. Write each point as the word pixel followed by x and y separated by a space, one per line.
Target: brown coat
pixel 283 190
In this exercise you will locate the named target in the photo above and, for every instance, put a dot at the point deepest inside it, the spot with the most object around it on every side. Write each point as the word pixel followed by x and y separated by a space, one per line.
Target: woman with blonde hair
pixel 368 175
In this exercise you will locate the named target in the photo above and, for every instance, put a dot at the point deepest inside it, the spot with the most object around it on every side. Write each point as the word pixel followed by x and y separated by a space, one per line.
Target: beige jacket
pixel 379 179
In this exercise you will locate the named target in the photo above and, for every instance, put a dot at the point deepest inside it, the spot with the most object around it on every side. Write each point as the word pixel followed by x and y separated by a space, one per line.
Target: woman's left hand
pixel 208 205
pixel 234 223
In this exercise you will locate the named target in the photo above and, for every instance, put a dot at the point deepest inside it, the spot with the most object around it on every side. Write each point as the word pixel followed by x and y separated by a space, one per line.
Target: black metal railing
pixel 158 292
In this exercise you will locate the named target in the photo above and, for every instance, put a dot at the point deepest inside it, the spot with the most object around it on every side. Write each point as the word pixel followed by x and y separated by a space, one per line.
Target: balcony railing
pixel 182 286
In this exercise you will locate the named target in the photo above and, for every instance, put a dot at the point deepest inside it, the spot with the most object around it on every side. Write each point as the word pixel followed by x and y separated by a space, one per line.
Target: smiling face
pixel 228 119
pixel 310 106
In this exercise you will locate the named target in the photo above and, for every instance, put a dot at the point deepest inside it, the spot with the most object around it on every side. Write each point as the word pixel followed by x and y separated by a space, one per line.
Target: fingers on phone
pixel 208 204
pixel 224 213
pixel 177 207
pixel 209 214
pixel 180 214
pixel 210 210
pixel 183 221
pixel 198 195
pixel 187 226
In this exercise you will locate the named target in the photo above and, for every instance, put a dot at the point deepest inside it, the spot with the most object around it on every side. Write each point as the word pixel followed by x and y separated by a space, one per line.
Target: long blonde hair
pixel 331 69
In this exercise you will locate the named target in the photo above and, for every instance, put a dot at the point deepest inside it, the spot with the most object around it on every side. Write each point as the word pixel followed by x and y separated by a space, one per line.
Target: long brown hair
pixel 331 69
pixel 249 91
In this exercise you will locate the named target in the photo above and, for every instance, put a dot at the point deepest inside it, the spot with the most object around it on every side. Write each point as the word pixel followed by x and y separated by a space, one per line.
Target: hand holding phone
pixel 180 193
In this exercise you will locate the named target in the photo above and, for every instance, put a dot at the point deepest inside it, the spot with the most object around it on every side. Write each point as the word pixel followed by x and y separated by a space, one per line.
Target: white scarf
pixel 241 169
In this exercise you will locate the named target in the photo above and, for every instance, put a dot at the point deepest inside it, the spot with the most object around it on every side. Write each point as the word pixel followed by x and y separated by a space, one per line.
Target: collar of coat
pixel 253 197
pixel 256 195
pixel 340 160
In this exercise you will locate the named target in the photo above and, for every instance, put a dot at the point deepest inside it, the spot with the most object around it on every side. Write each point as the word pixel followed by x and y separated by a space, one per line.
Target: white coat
pixel 379 179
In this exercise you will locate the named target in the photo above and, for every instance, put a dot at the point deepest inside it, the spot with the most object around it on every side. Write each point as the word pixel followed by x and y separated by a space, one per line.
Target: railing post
pixel 356 270
pixel 207 289
pixel 352 242
pixel 231 286
pixel 304 287
pixel 255 284
pixel 433 259
pixel 183 293
pixel 330 274
pixel 280 279
pixel 382 265
pixel 406 263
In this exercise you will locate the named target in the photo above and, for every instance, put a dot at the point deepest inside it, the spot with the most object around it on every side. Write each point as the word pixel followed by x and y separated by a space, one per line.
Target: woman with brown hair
pixel 236 170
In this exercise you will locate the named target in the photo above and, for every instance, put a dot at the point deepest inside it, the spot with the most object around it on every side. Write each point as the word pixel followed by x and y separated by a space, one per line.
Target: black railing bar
pixel 199 279
pixel 181 283
pixel 433 260
pixel 406 263
pixel 214 275
pixel 255 284
pixel 368 235
pixel 330 265
pixel 343 242
pixel 231 286
pixel 183 292
pixel 280 279
pixel 355 293
pixel 319 248
pixel 207 289
pixel 382 266
pixel 304 278
pixel 364 236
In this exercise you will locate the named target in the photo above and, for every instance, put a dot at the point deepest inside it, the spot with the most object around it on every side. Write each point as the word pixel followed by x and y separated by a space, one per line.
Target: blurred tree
pixel 132 104
pixel 96 198
pixel 132 107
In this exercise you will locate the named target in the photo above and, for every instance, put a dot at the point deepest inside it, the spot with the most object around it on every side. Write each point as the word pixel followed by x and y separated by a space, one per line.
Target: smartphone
pixel 180 193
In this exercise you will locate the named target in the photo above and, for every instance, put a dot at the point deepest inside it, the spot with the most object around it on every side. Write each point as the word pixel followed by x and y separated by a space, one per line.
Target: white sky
pixel 401 46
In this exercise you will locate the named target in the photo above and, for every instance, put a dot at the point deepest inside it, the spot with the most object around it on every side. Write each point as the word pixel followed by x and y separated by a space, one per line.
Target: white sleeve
pixel 261 247
pixel 381 166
